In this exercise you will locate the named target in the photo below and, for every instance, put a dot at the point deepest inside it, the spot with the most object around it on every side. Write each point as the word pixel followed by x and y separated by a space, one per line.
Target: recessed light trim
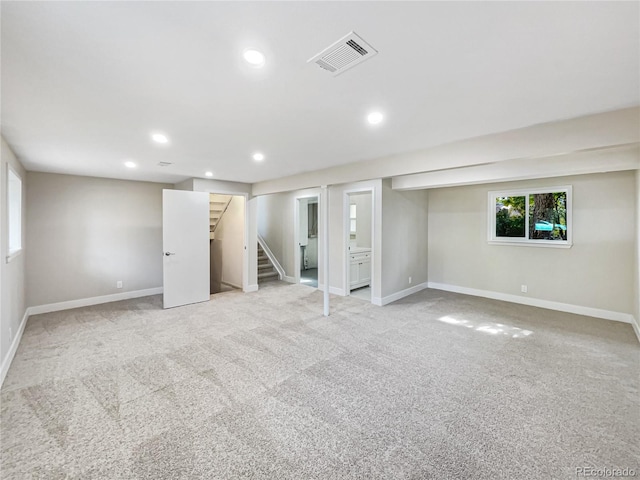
pixel 130 164
pixel 258 157
pixel 375 118
pixel 208 174
pixel 254 58
pixel 159 138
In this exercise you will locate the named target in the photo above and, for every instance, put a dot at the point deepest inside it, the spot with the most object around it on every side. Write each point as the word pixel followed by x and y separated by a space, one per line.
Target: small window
pixel 14 202
pixel 352 220
pixel 531 217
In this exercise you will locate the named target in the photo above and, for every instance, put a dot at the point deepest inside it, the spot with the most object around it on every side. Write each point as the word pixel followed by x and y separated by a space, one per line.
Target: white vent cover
pixel 347 52
pixel 164 164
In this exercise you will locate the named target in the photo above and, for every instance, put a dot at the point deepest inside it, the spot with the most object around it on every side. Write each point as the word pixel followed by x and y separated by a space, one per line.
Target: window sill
pixel 532 244
pixel 13 255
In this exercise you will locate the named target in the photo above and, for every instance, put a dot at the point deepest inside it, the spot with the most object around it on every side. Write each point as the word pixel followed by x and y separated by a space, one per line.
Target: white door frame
pixel 296 235
pixel 245 251
pixel 347 237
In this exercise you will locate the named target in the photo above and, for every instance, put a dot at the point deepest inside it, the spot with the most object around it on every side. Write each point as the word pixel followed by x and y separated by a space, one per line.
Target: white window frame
pixel 14 252
pixel 527 242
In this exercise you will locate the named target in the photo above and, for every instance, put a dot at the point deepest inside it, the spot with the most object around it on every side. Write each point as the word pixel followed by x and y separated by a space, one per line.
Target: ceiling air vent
pixel 347 52
pixel 164 164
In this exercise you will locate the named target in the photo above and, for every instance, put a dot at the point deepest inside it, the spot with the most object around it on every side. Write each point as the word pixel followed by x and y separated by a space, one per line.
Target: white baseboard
pixel 6 361
pixel 289 279
pixel 333 290
pixel 398 295
pixel 636 327
pixel 536 302
pixel 232 285
pixel 85 302
pixel 251 288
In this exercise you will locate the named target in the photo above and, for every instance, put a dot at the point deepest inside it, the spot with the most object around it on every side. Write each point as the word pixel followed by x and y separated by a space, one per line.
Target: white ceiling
pixel 84 83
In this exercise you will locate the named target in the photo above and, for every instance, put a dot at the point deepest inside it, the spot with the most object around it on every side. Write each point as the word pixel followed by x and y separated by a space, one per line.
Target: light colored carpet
pixel 260 385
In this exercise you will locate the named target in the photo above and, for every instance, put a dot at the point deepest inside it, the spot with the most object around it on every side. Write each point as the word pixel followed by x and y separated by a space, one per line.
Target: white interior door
pixel 185 244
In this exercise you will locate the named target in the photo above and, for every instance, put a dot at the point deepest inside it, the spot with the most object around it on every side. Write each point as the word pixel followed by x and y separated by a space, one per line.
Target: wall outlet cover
pixel 523 288
pixel 119 284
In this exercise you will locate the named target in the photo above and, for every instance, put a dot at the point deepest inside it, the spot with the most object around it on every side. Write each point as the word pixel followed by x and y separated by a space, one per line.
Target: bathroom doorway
pixel 359 243
pixel 307 237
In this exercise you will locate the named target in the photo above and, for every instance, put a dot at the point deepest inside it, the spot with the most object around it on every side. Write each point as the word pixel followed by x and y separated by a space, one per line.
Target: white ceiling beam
pixel 602 130
pixel 609 159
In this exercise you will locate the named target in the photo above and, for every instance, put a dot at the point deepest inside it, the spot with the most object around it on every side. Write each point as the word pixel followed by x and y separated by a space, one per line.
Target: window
pixel 14 202
pixel 352 221
pixel 532 217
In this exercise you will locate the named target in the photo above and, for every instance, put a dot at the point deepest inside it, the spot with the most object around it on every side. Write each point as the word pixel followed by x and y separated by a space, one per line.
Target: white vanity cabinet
pixel 359 268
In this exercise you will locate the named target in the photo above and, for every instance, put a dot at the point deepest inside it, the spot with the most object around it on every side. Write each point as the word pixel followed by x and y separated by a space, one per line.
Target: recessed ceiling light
pixel 160 138
pixel 208 174
pixel 130 164
pixel 258 157
pixel 254 58
pixel 374 118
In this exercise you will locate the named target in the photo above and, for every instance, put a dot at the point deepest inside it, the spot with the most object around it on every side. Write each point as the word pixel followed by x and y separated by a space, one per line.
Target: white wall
pixel 273 212
pixel 86 233
pixel 597 272
pixel 637 276
pixel 12 274
pixel 404 239
pixel 276 225
pixel 230 233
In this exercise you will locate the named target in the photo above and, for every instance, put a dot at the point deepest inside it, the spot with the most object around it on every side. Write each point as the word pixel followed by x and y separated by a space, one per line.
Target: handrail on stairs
pixel 222 214
pixel 272 258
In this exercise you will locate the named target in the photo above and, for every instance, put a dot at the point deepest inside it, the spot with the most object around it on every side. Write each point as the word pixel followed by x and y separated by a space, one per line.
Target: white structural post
pixel 325 243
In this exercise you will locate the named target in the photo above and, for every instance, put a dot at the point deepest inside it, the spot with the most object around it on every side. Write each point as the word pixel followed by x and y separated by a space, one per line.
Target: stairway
pixel 218 204
pixel 266 271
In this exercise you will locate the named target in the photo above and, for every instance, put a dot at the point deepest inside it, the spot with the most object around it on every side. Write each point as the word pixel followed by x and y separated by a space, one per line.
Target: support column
pixel 325 243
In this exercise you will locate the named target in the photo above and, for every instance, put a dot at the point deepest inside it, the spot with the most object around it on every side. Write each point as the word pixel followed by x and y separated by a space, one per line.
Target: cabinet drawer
pixel 359 257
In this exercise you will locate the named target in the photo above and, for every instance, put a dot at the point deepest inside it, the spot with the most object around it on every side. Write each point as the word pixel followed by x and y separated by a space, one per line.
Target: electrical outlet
pixel 119 284
pixel 523 288
pixel 410 279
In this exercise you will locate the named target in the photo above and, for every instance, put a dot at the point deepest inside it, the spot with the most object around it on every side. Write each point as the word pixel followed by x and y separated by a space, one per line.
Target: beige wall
pixel 86 233
pixel 12 274
pixel 230 233
pixel 404 238
pixel 597 272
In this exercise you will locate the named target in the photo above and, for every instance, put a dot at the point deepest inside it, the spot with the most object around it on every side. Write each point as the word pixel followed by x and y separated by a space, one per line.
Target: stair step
pixel 265 266
pixel 267 275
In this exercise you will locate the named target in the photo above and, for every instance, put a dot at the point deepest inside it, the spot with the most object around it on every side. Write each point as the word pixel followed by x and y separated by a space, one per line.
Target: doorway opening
pixel 307 254
pixel 359 242
pixel 226 242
